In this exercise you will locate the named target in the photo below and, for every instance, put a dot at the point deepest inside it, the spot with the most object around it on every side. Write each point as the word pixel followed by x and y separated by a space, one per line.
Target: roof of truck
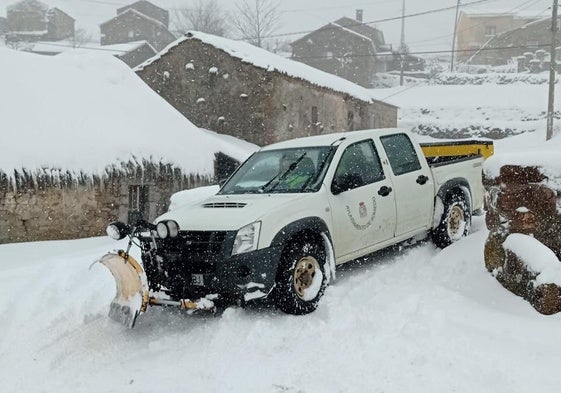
pixel 330 139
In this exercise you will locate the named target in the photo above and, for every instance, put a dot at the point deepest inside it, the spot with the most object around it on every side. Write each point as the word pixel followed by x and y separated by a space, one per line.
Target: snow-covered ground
pixel 416 320
pixel 483 110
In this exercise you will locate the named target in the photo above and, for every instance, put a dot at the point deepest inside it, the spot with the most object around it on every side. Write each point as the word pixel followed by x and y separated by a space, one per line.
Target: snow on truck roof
pixel 83 112
pixel 329 139
pixel 269 61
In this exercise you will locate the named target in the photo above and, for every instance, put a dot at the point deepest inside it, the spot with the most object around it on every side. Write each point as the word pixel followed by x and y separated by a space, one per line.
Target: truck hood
pixel 228 212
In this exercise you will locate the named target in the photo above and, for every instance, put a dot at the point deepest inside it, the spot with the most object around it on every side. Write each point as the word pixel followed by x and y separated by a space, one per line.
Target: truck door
pixel 362 201
pixel 413 183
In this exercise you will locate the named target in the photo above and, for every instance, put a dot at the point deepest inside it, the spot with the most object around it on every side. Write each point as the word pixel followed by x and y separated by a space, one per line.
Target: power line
pixel 433 11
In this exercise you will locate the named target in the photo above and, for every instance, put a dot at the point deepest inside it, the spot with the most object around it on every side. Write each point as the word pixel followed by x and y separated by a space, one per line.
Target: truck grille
pixel 193 251
pixel 231 205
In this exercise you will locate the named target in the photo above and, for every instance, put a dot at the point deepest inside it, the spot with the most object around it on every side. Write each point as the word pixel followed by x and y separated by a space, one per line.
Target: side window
pixel 359 165
pixel 401 153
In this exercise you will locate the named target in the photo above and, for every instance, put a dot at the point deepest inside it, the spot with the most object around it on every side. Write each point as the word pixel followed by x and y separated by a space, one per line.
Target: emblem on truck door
pixel 362 213
pixel 362 210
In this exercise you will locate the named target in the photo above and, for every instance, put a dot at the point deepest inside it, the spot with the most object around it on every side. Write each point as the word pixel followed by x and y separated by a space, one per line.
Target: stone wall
pixel 523 200
pixel 52 205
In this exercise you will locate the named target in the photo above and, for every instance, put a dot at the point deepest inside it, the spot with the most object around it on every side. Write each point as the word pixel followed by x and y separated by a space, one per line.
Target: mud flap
pixel 132 295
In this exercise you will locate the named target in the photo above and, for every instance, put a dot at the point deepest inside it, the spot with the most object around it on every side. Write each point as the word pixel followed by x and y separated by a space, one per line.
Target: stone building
pixel 31 20
pixel 477 27
pixel 74 162
pixel 140 21
pixel 346 48
pixel 3 25
pixel 236 88
pixel 520 42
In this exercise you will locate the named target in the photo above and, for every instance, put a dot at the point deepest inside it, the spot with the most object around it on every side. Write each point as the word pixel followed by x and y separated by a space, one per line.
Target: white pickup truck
pixel 293 211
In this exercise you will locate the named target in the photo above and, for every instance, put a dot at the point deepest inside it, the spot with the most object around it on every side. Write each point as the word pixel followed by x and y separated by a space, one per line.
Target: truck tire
pixel 455 221
pixel 301 279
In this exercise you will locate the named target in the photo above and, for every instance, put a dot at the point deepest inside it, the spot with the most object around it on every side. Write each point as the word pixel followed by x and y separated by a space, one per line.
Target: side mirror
pixel 347 181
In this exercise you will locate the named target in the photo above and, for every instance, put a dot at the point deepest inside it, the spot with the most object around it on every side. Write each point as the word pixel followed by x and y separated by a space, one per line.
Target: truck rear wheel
pixel 301 279
pixel 455 221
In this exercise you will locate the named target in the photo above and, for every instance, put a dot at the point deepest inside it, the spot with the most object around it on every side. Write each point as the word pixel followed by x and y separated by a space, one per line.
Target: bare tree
pixel 205 16
pixel 256 19
pixel 81 37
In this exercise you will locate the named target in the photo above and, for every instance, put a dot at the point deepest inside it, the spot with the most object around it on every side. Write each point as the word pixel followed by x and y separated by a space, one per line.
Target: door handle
pixel 422 179
pixel 384 191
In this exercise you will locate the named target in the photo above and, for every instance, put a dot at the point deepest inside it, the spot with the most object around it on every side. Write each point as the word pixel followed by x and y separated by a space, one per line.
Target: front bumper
pixel 197 264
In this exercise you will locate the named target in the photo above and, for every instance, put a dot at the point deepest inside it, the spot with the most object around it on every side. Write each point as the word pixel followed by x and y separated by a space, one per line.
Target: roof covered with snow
pixel 269 61
pixel 84 112
pixel 66 46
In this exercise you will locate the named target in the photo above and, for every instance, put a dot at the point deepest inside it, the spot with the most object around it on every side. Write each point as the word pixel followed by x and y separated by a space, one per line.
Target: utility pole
pixel 402 46
pixel 454 39
pixel 552 67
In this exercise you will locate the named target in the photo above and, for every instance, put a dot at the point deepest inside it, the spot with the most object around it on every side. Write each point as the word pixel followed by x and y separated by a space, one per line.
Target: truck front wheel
pixel 301 279
pixel 455 221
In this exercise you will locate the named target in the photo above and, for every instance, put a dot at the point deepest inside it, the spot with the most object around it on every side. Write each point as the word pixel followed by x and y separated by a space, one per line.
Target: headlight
pixel 167 228
pixel 162 230
pixel 117 230
pixel 247 238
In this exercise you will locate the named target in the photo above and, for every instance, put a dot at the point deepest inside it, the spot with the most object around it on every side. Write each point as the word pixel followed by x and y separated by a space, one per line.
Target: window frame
pixel 418 167
pixel 376 155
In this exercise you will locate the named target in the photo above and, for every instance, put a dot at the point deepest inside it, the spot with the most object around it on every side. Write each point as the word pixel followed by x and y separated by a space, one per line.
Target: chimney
pixel 359 15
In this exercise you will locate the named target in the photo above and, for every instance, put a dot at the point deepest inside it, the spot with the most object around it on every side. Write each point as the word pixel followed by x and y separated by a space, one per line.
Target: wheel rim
pixel 306 275
pixel 456 222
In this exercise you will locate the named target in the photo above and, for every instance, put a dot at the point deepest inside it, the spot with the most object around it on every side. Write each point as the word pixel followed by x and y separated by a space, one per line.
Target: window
pixel 490 31
pixel 359 165
pixel 329 55
pixel 138 203
pixel 350 121
pixel 314 115
pixel 131 34
pixel 532 44
pixel 401 153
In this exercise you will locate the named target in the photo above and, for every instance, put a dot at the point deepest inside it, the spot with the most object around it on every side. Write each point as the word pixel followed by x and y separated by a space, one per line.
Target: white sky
pixel 424 33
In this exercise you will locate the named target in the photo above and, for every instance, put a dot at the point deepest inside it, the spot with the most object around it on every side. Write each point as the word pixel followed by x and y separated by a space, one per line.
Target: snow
pixel 90 47
pixel 83 112
pixel 537 257
pixel 519 107
pixel 419 319
pixel 264 59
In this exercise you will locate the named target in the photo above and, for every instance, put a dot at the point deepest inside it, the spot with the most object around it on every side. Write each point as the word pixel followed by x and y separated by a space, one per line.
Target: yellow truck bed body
pixel 458 149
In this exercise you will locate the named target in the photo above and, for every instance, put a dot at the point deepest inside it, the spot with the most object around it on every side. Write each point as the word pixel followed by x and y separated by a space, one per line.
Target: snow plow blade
pixel 132 296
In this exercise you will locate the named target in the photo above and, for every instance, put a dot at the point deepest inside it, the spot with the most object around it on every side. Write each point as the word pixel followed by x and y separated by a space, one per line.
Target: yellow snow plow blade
pixel 132 295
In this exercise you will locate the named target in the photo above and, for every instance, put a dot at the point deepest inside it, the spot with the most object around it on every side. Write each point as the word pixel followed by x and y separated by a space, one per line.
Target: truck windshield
pixel 281 171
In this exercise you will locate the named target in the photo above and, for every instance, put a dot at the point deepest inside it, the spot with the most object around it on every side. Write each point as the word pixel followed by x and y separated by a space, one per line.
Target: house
pixel 32 20
pixel 527 43
pixel 82 160
pixel 148 9
pixel 236 88
pixel 3 25
pixel 140 21
pixel 476 27
pixel 131 53
pixel 347 48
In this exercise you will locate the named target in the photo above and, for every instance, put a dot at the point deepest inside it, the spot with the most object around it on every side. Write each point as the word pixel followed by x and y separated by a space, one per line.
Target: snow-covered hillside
pixel 83 112
pixel 486 110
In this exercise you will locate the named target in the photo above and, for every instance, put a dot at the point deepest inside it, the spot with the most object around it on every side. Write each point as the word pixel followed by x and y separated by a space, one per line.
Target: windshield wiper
pixel 282 176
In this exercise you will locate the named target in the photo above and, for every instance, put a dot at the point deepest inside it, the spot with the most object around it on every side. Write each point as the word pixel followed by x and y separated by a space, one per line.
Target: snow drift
pixel 82 112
